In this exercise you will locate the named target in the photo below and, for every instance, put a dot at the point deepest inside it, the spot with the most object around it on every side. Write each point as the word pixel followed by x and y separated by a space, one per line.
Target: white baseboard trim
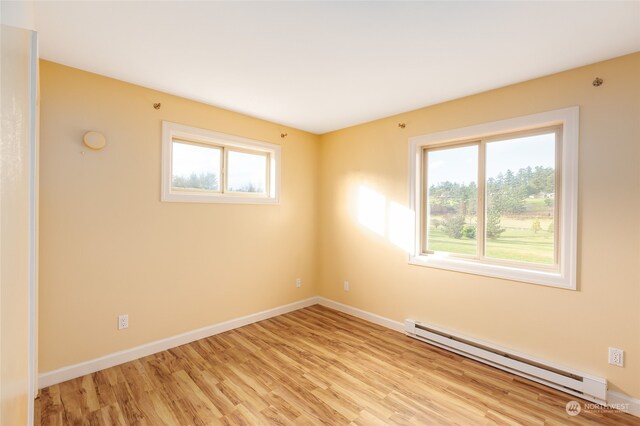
pixel 623 402
pixel 359 313
pixel 73 371
pixel 615 399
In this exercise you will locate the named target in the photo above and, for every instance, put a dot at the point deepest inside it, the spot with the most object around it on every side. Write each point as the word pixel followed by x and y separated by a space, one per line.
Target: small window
pixel 209 167
pixel 499 199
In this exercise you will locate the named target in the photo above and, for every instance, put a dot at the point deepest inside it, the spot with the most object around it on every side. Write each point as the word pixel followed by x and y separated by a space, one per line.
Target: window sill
pixel 223 199
pixel 546 278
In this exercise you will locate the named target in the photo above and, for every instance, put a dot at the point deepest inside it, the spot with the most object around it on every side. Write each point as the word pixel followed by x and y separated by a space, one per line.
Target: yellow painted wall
pixel 573 328
pixel 108 246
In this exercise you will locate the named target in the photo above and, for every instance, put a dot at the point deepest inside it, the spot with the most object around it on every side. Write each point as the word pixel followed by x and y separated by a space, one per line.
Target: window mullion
pixel 481 201
pixel 223 175
pixel 267 180
pixel 557 196
pixel 424 194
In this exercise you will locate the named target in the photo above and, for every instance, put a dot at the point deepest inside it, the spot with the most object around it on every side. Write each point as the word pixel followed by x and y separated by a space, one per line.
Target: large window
pixel 205 166
pixel 499 199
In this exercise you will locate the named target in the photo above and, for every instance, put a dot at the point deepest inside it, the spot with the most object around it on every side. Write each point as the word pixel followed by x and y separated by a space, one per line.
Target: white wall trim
pixel 359 313
pixel 97 364
pixel 615 398
pixel 33 172
pixel 221 140
pixel 73 371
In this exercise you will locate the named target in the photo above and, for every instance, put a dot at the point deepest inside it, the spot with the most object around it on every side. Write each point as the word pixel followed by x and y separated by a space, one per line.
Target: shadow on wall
pixel 385 218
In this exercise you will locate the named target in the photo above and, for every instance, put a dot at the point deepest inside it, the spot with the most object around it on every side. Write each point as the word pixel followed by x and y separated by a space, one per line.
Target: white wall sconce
pixel 94 140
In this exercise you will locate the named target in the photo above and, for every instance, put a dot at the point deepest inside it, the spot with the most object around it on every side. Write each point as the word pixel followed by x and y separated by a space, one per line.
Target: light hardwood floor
pixel 312 366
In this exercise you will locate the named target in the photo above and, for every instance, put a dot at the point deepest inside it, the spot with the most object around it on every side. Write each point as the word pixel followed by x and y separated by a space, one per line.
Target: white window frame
pixel 565 275
pixel 180 132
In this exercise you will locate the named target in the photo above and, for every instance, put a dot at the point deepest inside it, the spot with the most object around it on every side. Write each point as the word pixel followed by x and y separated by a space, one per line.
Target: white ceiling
pixel 322 66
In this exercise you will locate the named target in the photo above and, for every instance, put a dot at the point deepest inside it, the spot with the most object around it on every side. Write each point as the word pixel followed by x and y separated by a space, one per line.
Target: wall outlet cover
pixel 616 357
pixel 123 322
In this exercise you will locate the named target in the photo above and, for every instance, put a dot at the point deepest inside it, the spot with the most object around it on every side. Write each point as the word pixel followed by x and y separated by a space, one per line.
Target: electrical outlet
pixel 346 286
pixel 123 321
pixel 298 282
pixel 616 357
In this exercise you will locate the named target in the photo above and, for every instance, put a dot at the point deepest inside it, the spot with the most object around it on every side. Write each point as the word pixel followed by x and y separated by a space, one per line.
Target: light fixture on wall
pixel 94 140
pixel 598 82
pixel 402 125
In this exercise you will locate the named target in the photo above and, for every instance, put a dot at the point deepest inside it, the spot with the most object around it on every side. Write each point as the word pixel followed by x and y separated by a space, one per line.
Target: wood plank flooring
pixel 315 366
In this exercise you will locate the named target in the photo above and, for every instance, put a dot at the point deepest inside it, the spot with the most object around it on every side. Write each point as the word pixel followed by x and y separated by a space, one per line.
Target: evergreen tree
pixel 453 226
pixel 493 225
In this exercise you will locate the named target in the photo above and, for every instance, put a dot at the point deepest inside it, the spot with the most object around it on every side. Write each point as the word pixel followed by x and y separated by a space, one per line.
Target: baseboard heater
pixel 567 380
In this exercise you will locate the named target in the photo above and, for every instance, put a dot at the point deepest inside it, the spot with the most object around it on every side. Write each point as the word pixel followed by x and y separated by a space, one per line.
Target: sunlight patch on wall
pixel 401 226
pixel 371 210
pixel 387 219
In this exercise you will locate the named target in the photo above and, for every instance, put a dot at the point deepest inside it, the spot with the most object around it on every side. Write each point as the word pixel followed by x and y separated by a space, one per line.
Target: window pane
pixel 246 172
pixel 520 199
pixel 195 167
pixel 452 182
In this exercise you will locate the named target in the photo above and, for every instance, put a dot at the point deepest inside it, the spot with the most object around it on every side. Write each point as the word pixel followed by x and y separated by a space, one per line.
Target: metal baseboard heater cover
pixel 565 379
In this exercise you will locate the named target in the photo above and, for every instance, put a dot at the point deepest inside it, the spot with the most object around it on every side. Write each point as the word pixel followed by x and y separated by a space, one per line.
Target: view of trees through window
pixel 519 205
pixel 198 167
pixel 453 200
pixel 195 167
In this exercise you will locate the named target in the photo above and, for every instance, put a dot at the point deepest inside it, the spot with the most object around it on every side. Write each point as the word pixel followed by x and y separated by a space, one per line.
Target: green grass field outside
pixel 517 242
